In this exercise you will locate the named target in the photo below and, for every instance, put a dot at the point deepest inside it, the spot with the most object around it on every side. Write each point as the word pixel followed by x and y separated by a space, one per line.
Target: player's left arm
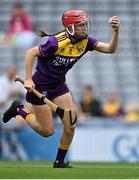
pixel 111 46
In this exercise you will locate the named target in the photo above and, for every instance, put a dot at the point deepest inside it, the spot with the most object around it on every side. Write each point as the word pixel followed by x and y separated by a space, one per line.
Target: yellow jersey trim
pixel 66 48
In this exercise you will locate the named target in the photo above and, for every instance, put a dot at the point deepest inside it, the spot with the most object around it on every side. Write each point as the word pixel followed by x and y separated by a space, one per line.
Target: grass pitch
pixel 44 170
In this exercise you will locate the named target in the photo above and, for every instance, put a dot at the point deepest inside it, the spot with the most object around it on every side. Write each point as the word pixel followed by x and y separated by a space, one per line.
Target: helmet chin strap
pixel 79 38
pixel 75 38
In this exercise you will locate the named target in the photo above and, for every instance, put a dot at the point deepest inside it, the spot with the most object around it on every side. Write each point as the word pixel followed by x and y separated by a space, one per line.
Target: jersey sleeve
pixel 92 42
pixel 49 48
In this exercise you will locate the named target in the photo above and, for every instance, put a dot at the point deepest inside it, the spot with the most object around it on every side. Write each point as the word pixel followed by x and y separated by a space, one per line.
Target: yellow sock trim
pixel 28 117
pixel 19 117
pixel 64 146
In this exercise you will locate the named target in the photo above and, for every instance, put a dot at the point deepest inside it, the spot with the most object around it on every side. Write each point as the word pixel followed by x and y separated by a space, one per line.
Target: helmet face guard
pixel 74 18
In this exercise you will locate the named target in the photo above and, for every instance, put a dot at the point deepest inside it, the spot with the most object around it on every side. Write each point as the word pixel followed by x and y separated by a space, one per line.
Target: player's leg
pixel 64 101
pixel 43 117
pixel 41 121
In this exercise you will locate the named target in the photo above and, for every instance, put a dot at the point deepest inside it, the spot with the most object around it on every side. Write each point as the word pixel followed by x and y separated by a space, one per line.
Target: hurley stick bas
pixel 68 117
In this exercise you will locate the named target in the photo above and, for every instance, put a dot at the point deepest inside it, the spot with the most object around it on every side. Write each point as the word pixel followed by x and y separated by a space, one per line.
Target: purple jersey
pixel 59 55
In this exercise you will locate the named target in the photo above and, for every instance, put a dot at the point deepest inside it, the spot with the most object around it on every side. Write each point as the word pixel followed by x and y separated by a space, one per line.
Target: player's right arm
pixel 49 47
pixel 111 46
pixel 29 60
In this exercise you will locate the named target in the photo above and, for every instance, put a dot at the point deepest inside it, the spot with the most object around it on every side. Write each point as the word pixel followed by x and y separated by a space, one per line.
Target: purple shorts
pixel 51 88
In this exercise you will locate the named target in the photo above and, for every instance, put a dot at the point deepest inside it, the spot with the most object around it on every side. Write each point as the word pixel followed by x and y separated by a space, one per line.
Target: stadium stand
pixel 118 72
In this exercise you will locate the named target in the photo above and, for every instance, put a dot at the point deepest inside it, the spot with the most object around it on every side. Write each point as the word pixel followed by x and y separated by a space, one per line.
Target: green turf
pixel 44 170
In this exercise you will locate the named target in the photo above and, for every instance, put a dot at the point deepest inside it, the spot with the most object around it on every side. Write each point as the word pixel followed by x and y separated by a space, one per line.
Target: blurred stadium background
pixel 97 139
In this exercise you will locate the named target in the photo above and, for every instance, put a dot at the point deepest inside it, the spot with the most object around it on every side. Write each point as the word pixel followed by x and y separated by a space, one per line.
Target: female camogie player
pixel 55 58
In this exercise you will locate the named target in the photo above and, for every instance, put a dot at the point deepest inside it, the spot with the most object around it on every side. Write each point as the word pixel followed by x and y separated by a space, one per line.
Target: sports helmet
pixel 75 17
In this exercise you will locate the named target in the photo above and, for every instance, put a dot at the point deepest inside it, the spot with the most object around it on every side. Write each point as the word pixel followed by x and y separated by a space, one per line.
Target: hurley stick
pixel 68 117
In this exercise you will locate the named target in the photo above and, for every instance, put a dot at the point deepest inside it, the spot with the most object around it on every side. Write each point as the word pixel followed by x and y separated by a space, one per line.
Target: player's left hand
pixel 115 22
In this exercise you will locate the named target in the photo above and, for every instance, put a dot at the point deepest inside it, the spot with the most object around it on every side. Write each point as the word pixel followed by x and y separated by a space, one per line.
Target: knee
pixel 47 133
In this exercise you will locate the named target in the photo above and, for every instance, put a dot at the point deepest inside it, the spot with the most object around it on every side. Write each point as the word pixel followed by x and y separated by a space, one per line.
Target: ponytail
pixel 44 34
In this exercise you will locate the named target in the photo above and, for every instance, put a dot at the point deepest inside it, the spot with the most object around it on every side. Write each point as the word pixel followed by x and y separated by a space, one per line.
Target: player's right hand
pixel 29 84
pixel 115 22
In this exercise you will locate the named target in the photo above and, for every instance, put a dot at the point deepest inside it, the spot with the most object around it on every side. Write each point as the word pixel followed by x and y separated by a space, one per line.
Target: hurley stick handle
pixel 38 94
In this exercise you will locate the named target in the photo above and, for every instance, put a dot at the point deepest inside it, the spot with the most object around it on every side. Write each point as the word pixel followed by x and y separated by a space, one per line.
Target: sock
pixel 24 113
pixel 62 151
